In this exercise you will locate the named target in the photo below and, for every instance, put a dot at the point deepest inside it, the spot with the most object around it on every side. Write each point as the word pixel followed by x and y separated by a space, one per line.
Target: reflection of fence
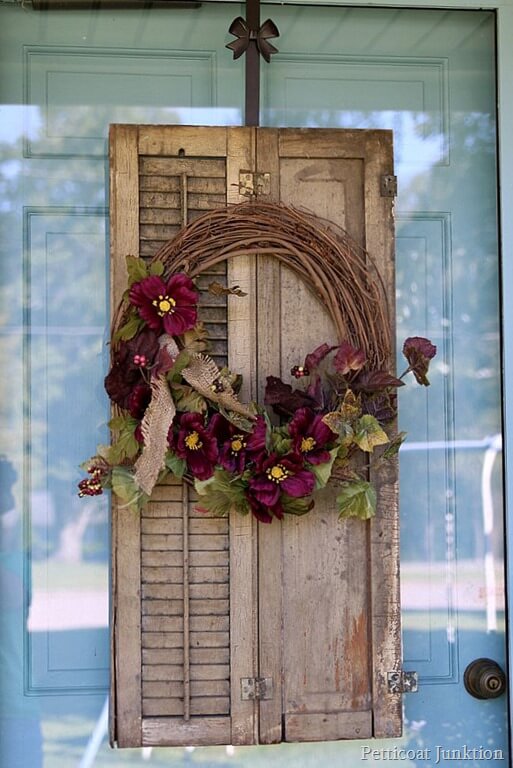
pixel 491 446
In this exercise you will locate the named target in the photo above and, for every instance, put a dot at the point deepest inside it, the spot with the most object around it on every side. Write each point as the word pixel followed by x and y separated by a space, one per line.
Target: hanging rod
pixel 101 5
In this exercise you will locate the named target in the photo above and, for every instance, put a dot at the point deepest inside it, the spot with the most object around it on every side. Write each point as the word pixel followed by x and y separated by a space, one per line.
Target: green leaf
pixel 119 422
pixel 132 326
pixel 281 442
pixel 196 339
pixel 357 499
pixel 322 472
pixel 296 506
pixel 188 399
pixel 136 268
pixel 126 489
pixel 124 446
pixel 237 419
pixel 156 268
pixel 222 493
pixel 395 444
pixel 182 360
pixel 175 465
pixel 369 434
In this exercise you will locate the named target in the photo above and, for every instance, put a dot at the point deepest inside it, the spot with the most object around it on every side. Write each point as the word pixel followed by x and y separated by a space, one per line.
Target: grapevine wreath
pixel 175 412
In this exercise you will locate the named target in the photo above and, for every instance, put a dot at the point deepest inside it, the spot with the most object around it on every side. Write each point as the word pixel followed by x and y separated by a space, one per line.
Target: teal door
pixel 63 78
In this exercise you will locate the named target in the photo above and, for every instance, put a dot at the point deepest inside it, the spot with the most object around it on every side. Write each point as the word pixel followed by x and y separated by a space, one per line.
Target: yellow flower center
pixel 237 443
pixel 165 305
pixel 192 441
pixel 307 444
pixel 277 473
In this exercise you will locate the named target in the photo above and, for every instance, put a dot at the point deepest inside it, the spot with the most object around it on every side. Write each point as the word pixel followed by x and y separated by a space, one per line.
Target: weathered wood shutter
pixel 310 605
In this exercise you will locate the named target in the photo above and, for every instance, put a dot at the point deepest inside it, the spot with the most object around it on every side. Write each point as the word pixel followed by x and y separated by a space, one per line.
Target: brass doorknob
pixel 484 679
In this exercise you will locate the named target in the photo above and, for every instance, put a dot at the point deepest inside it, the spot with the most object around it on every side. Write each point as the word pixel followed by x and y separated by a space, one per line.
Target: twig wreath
pixel 176 412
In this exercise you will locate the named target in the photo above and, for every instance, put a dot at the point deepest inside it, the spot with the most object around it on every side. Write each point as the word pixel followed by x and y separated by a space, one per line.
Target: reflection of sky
pixel 17 120
pixel 415 150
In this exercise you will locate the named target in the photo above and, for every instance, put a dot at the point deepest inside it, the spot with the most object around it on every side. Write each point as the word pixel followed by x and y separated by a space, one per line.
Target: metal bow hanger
pixel 245 35
pixel 253 40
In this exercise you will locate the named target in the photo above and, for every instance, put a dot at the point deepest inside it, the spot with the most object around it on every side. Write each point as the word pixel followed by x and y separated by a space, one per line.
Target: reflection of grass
pixel 66 740
pixel 55 575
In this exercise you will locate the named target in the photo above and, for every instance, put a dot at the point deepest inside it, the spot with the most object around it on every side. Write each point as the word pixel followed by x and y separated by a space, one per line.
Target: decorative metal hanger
pixel 253 40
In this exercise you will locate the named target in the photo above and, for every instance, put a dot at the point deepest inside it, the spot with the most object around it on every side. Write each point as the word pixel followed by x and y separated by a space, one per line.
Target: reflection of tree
pixel 466 373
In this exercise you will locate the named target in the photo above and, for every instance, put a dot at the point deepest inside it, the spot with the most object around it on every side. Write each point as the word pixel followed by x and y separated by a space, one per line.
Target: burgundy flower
pixel 138 400
pixel 169 307
pixel 310 436
pixel 278 474
pixel 263 513
pixel 238 448
pixel 196 444
pixel 127 370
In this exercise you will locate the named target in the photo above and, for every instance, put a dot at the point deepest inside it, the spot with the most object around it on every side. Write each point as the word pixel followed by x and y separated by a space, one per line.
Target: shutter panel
pixel 182 632
pixel 329 588
pixel 200 603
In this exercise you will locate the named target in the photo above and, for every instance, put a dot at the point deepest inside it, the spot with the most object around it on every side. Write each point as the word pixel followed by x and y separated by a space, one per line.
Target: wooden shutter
pixel 200 604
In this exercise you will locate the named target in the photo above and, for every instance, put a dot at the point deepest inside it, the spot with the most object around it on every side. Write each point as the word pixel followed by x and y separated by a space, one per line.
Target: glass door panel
pixel 429 76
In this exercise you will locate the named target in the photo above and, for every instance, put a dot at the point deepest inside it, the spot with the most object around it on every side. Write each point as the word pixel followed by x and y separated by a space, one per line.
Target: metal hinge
pixel 254 183
pixel 256 688
pixel 403 682
pixel 388 185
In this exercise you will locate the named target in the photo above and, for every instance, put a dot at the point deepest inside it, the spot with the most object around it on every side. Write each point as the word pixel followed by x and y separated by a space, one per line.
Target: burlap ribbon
pixel 155 427
pixel 205 377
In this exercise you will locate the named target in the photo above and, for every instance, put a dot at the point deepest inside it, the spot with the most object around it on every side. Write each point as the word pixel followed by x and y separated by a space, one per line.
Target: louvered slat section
pixel 161 216
pixel 185 609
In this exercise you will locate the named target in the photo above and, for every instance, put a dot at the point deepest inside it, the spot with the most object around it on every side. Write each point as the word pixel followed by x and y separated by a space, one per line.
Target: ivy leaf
pixel 221 493
pixel 126 489
pixel 127 331
pixel 136 268
pixel 156 268
pixel 175 465
pixel 357 499
pixel 297 507
pixel 395 444
pixel 369 434
pixel 322 472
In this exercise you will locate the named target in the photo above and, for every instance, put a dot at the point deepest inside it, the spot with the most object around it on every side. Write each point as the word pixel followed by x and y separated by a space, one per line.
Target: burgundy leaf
pixel 348 359
pixel 382 406
pixel 419 352
pixel 283 399
pixel 375 381
pixel 315 358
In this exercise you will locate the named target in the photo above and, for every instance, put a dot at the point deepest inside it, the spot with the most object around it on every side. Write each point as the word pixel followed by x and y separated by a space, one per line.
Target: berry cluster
pixel 92 486
pixel 298 371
